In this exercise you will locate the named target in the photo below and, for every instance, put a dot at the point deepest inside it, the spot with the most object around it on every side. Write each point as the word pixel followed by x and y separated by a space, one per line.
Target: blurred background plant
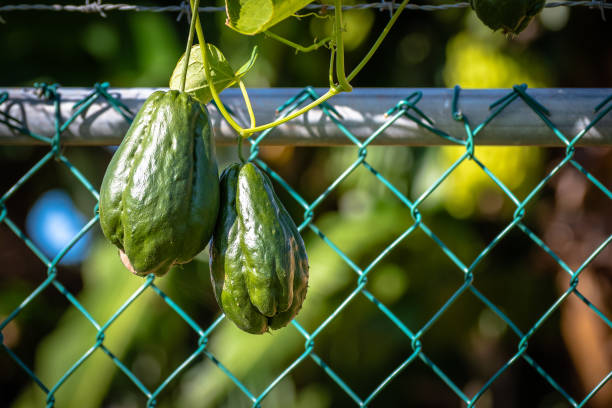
pixel 562 48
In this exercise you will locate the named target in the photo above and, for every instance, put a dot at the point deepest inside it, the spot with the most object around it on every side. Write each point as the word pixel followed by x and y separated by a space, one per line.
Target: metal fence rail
pixel 361 112
pixel 411 108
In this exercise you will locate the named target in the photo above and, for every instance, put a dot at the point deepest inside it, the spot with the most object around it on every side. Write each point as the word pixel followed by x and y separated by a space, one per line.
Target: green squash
pixel 160 195
pixel 258 263
pixel 511 16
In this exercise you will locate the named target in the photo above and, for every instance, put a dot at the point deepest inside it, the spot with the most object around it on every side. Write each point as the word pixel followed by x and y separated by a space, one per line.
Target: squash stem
pixel 247 102
pixel 240 156
pixel 194 14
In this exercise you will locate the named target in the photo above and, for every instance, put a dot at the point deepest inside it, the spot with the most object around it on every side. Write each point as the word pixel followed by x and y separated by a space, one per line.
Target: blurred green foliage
pixel 361 217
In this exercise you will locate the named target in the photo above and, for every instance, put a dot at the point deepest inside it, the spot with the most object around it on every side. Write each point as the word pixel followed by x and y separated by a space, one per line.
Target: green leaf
pixel 196 83
pixel 249 64
pixel 255 16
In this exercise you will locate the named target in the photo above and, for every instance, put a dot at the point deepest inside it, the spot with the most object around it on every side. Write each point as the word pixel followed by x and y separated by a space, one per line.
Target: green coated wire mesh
pixel 414 335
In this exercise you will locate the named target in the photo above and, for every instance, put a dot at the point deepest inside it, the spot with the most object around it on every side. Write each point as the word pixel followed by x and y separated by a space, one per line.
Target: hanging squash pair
pixel 161 202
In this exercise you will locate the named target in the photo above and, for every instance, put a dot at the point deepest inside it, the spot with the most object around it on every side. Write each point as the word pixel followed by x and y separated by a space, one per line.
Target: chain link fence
pixel 413 334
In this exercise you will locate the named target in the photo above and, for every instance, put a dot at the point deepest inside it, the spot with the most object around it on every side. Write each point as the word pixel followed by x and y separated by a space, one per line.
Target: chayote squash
pixel 160 195
pixel 512 16
pixel 258 262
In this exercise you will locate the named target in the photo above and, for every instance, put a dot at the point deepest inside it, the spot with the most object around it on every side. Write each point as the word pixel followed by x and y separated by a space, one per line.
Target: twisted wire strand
pixel 101 8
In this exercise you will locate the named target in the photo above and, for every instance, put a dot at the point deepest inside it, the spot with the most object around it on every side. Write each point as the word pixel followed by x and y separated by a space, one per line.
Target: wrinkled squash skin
pixel 511 16
pixel 160 195
pixel 258 263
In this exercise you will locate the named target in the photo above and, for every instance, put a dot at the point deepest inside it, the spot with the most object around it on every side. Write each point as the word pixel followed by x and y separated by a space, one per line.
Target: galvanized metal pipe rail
pixel 362 113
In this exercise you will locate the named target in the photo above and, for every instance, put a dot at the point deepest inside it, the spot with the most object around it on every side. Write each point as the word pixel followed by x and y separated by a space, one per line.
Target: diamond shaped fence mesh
pixel 413 334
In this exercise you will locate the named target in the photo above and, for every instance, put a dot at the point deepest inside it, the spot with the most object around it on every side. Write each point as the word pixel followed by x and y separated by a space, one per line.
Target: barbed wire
pixel 183 7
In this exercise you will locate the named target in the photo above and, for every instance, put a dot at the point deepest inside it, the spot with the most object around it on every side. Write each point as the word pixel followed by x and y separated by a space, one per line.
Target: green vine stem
pixel 343 81
pixel 340 74
pixel 247 101
pixel 296 46
pixel 247 132
pixel 295 114
pixel 378 41
pixel 211 84
pixel 189 43
pixel 331 66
